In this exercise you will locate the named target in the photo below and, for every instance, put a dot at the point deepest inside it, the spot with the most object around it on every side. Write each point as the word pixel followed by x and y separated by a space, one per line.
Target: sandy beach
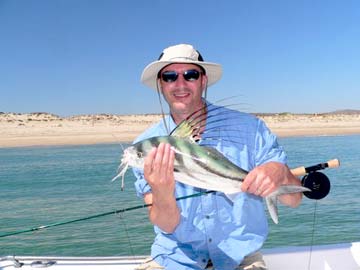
pixel 37 129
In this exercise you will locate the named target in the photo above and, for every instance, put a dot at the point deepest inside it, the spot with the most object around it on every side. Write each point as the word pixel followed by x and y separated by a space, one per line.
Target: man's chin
pixel 180 106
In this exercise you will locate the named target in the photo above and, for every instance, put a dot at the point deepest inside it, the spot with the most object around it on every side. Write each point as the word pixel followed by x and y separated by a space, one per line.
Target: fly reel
pixel 317 182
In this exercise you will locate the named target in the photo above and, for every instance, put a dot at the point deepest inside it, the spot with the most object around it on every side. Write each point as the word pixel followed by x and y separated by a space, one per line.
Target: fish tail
pixel 271 200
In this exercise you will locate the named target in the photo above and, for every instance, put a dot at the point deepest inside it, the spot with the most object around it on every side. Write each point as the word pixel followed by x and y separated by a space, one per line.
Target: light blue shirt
pixel 212 226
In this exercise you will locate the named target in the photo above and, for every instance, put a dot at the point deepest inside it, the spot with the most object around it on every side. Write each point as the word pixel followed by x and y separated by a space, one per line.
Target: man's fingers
pixel 149 159
pixel 159 163
pixel 246 184
pixel 171 160
pixel 167 166
pixel 158 157
pixel 166 154
pixel 255 183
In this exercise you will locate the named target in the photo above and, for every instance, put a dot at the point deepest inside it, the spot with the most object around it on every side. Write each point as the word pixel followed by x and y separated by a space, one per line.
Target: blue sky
pixel 84 56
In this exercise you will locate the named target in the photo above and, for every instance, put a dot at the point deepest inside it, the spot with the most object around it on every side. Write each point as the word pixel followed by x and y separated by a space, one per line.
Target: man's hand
pixel 159 170
pixel 159 173
pixel 265 179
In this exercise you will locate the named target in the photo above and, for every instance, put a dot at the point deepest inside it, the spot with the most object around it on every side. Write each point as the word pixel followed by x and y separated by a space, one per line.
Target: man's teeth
pixel 181 95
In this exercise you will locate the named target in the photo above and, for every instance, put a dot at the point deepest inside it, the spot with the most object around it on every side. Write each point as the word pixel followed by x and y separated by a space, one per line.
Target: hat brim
pixel 150 73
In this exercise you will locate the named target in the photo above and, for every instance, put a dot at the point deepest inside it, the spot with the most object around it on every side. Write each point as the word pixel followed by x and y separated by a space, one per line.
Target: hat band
pixel 183 58
pixel 200 58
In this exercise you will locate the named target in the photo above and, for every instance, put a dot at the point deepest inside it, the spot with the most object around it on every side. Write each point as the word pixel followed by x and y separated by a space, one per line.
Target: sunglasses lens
pixel 169 76
pixel 191 75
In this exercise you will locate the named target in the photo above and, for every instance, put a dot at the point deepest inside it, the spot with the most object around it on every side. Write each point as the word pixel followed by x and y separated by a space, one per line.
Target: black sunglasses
pixel 189 75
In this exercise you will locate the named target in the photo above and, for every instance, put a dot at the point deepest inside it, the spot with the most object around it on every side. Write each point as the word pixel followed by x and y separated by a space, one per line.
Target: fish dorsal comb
pixel 184 130
pixel 192 127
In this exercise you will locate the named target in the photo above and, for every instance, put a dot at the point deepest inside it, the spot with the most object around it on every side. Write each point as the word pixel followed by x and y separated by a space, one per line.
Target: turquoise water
pixel 44 185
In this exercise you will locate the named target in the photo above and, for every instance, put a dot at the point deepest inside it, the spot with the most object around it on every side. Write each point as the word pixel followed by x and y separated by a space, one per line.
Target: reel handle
pixel 300 171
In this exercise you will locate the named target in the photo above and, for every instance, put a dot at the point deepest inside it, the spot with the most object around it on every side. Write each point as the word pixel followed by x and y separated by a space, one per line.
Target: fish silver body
pixel 201 167
pixel 194 165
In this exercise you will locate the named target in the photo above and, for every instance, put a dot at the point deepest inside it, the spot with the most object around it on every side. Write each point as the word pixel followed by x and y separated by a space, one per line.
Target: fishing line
pixel 312 235
pixel 127 234
pixel 61 223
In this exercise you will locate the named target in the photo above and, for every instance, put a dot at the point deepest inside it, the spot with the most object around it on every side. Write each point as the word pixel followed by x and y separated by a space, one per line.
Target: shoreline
pixel 42 129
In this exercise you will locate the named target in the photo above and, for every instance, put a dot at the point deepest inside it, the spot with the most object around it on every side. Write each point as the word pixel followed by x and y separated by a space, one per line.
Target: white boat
pixel 325 257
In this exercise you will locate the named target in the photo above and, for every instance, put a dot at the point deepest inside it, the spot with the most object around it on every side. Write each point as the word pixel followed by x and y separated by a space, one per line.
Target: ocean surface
pixel 47 185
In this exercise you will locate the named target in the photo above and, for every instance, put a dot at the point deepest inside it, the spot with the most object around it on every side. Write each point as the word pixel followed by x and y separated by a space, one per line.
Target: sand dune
pixel 49 129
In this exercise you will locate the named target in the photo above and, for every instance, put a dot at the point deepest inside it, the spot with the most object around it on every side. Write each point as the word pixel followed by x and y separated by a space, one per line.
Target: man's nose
pixel 180 80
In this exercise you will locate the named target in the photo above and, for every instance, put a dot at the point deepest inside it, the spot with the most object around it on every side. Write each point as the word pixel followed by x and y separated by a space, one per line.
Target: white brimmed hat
pixel 182 53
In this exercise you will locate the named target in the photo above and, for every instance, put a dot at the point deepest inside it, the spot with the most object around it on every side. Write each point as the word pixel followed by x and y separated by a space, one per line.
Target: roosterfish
pixel 198 165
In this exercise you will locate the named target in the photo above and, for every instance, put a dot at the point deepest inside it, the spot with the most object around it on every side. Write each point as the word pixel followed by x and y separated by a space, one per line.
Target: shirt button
pixel 204 260
pixel 207 216
pixel 210 240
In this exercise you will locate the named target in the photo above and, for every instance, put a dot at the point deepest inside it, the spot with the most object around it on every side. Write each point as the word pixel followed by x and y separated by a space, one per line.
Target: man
pixel 209 231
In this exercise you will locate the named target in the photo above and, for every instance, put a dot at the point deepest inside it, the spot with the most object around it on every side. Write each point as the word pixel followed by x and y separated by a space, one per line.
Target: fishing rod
pixel 318 183
pixel 123 210
pixel 301 171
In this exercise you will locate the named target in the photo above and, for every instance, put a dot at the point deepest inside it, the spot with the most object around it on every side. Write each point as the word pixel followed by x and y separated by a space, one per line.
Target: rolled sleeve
pixel 141 185
pixel 267 146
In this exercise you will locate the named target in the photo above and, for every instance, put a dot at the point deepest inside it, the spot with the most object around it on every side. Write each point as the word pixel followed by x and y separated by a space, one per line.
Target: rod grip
pixel 334 163
pixel 299 171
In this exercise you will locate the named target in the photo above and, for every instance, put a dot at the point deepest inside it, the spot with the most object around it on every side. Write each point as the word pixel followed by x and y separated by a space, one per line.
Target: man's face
pixel 183 95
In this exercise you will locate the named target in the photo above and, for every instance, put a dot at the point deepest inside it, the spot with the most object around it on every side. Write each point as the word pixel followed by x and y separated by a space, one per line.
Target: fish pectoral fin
pixel 288 189
pixel 271 203
pixel 271 200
